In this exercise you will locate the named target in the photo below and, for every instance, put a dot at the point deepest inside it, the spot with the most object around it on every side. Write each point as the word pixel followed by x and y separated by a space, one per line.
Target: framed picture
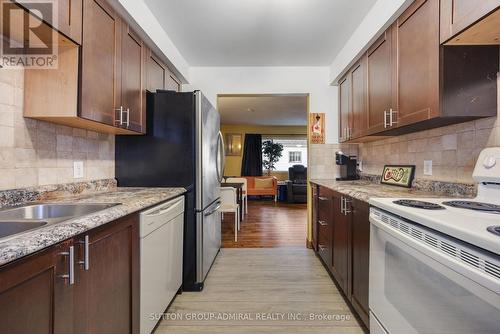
pixel 398 175
pixel 233 144
pixel 317 128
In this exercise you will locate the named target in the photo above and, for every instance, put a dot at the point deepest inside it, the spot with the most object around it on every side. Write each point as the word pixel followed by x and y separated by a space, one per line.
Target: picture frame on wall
pixel 317 128
pixel 233 144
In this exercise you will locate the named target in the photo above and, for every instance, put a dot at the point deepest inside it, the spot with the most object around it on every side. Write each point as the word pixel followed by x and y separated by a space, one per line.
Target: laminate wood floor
pixel 262 290
pixel 267 224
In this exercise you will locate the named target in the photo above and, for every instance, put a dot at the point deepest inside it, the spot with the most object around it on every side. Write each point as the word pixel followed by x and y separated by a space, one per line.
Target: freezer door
pixel 208 239
pixel 209 153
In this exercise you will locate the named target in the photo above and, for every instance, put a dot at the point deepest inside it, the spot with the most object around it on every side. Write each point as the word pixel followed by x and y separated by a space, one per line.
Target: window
pixel 294 150
pixel 295 157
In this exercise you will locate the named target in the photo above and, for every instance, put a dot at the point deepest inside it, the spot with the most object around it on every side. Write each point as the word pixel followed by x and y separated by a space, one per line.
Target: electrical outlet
pixel 78 169
pixel 427 167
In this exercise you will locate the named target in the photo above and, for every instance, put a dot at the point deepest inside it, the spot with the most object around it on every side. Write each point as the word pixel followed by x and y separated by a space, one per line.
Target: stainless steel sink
pixel 28 217
pixel 11 228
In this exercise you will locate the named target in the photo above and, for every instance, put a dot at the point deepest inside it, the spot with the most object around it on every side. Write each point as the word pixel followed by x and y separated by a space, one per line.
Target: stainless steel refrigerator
pixel 183 147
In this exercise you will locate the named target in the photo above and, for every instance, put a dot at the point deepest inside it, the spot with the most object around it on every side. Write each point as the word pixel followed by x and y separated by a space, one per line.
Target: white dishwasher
pixel 161 243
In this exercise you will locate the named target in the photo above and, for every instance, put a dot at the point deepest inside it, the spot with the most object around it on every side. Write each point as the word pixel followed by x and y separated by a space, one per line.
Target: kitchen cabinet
pixel 344 108
pixel 360 257
pixel 173 83
pixel 470 22
pixel 41 277
pixel 69 17
pixel 413 83
pixel 358 100
pixel 157 73
pixel 108 272
pixel 314 213
pixel 78 287
pixel 100 63
pixel 344 244
pixel 379 79
pixel 132 114
pixel 325 226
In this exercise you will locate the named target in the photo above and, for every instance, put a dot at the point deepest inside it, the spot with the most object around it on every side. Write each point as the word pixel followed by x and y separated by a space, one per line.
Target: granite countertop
pixel 363 190
pixel 131 199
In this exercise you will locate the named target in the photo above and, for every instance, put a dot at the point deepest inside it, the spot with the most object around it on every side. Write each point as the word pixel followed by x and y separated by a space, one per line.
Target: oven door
pixel 416 288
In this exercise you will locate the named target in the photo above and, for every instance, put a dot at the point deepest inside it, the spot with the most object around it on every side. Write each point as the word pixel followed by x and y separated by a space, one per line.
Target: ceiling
pixel 259 32
pixel 275 110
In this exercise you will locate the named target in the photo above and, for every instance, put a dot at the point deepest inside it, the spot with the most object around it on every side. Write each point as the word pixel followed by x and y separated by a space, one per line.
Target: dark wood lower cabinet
pixel 343 244
pixel 36 294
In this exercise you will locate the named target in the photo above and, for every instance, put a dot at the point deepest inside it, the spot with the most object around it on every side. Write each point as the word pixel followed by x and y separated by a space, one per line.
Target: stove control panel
pixel 487 169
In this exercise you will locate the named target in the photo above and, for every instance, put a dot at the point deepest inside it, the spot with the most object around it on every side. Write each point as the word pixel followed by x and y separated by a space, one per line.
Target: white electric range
pixel 435 263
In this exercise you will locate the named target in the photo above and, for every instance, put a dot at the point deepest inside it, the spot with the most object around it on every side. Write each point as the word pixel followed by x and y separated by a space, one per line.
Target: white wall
pixel 271 80
pixel 378 19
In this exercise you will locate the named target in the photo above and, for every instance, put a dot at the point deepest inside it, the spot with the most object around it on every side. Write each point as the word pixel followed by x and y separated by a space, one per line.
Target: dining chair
pixel 229 203
pixel 245 191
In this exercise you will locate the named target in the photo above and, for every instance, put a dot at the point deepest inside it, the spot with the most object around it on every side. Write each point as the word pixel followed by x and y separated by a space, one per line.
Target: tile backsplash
pixel 322 159
pixel 35 153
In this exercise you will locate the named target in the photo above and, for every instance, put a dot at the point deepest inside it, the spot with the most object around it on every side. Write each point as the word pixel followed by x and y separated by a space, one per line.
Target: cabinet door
pixel 133 80
pixel 315 203
pixel 34 298
pixel 344 108
pixel 360 239
pixel 107 297
pixel 70 19
pixel 417 50
pixel 358 97
pixel 340 268
pixel 100 69
pixel 173 83
pixel 379 82
pixel 457 15
pixel 325 226
pixel 157 73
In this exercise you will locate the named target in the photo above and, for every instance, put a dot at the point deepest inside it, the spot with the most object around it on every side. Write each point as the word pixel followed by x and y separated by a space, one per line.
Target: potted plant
pixel 272 153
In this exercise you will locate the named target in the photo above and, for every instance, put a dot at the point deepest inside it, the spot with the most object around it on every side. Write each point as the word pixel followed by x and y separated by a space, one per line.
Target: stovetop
pixel 419 204
pixel 474 205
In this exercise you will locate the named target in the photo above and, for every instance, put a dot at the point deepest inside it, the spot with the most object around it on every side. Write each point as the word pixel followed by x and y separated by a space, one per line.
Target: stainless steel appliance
pixel 435 263
pixel 183 147
pixel 161 231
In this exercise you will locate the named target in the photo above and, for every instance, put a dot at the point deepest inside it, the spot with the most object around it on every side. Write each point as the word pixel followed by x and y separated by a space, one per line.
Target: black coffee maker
pixel 348 166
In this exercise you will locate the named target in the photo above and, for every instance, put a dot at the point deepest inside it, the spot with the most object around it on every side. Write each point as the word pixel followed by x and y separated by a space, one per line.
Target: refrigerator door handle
pixel 214 210
pixel 222 154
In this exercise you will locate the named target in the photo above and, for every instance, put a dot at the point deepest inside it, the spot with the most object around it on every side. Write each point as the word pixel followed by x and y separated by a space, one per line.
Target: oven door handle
pixel 438 255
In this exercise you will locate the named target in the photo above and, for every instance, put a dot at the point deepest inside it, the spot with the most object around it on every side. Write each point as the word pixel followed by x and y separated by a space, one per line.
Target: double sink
pixel 25 218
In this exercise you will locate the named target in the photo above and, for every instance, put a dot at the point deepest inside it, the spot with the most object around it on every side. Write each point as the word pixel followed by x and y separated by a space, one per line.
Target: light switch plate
pixel 427 167
pixel 78 169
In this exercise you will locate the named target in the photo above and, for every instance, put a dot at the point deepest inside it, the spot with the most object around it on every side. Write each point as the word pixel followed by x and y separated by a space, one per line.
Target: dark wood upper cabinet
pixel 344 108
pixel 416 48
pixel 157 73
pixel 133 81
pixel 358 100
pixel 100 63
pixel 173 83
pixel 460 26
pixel 379 82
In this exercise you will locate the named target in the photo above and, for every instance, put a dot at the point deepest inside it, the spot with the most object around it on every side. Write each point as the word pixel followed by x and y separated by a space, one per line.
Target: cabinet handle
pixel 349 133
pixel 322 223
pixel 391 117
pixel 71 274
pixel 321 198
pixel 346 210
pixel 120 119
pixel 342 205
pixel 127 124
pixel 86 255
pixel 321 248
pixel 385 119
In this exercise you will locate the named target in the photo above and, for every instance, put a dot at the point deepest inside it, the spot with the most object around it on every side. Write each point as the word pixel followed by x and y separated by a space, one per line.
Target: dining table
pixel 239 193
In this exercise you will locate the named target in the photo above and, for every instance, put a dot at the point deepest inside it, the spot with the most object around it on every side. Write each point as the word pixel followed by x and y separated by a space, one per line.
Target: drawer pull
pixel 322 223
pixel 321 248
pixel 321 198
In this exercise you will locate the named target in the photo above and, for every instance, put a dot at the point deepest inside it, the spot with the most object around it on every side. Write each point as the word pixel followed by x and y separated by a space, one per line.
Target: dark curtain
pixel 252 156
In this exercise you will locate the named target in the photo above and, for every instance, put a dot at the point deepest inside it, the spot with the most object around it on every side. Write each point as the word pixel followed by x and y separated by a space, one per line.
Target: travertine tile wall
pixel 36 153
pixel 322 159
pixel 453 149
